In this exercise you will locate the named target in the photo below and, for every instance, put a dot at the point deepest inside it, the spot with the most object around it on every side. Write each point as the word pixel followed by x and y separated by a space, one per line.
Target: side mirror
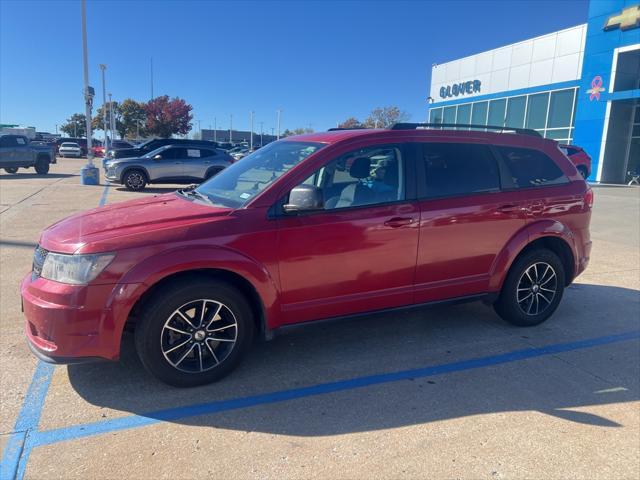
pixel 157 157
pixel 304 198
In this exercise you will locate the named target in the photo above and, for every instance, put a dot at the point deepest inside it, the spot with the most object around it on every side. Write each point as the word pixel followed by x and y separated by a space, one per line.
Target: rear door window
pixel 453 169
pixel 531 168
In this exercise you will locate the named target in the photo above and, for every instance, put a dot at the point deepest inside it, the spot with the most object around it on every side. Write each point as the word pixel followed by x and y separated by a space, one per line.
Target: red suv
pixel 579 158
pixel 317 226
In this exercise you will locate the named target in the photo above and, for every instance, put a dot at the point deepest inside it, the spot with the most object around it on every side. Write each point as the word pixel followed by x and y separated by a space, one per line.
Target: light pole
pixel 230 128
pixel 89 174
pixel 261 131
pixel 103 67
pixel 111 119
pixel 279 112
pixel 251 132
pixel 215 129
pixel 56 128
pixel 199 131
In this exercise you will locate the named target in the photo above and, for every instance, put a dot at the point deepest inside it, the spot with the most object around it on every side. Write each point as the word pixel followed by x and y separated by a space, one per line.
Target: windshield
pixel 67 144
pixel 239 183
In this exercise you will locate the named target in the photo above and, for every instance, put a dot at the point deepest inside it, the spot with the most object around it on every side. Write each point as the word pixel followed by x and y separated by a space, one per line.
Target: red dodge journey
pixel 318 226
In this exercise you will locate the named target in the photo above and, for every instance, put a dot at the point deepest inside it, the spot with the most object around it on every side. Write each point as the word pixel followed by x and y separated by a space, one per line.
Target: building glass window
pixel 435 115
pixel 464 114
pixel 537 111
pixel 550 113
pixel 449 115
pixel 496 112
pixel 515 112
pixel 560 109
pixel 479 113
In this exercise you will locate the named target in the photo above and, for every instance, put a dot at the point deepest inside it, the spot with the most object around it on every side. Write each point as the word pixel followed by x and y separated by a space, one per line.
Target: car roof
pixel 335 136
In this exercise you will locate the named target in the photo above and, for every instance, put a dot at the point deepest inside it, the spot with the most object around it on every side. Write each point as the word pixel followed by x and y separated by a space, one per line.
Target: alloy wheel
pixel 537 288
pixel 199 335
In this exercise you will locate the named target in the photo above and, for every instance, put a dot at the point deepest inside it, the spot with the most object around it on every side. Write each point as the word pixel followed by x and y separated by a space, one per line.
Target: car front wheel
pixel 11 170
pixel 134 180
pixel 533 288
pixel 195 332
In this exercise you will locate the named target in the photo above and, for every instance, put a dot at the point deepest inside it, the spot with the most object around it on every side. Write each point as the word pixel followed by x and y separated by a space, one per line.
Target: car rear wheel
pixel 42 166
pixel 194 333
pixel 533 288
pixel 134 180
pixel 583 171
pixel 11 170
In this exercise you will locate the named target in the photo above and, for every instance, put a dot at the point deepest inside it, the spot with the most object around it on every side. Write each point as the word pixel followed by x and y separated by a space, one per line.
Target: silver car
pixel 168 164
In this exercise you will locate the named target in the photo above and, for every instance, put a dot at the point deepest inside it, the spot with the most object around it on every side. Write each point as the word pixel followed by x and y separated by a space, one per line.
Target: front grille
pixel 39 257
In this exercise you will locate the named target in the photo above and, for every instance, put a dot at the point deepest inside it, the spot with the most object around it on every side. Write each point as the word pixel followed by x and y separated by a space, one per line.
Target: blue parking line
pixel 171 414
pixel 17 450
pixel 27 420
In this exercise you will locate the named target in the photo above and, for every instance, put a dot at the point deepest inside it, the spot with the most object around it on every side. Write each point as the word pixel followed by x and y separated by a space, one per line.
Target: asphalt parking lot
pixel 438 393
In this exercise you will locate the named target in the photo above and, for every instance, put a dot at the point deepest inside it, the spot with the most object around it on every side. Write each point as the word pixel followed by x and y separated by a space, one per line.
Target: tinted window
pixel 479 115
pixel 21 141
pixel 449 115
pixel 537 110
pixel 515 112
pixel 7 141
pixel 174 153
pixel 464 114
pixel 435 115
pixel 560 109
pixel 459 169
pixel 207 153
pixel 531 168
pixel 496 112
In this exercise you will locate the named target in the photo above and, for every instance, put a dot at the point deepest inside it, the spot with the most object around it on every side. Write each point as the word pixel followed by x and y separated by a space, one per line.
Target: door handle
pixel 511 208
pixel 396 222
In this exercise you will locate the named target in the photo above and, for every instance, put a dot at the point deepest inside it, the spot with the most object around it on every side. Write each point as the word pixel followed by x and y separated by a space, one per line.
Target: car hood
pixel 146 221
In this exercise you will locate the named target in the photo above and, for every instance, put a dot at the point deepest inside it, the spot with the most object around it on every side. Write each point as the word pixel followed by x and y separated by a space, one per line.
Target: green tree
pixel 134 118
pixel 97 122
pixel 76 126
pixel 384 117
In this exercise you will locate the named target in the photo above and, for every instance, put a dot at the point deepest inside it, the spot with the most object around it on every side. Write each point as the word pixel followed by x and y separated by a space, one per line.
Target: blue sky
pixel 320 62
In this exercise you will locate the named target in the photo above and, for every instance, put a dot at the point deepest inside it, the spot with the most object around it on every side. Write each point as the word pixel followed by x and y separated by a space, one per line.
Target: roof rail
pixel 450 126
pixel 334 129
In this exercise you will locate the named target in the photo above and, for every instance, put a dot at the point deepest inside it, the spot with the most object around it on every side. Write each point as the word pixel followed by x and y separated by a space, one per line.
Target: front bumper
pixel 67 323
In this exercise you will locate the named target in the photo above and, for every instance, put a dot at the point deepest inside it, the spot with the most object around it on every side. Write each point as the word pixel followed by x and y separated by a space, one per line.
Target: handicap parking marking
pixel 16 451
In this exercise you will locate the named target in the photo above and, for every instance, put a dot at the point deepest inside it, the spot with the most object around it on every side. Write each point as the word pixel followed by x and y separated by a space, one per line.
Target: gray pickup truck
pixel 17 152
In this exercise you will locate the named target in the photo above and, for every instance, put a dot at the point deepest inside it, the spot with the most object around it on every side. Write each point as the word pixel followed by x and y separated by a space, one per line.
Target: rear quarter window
pixel 453 169
pixel 531 168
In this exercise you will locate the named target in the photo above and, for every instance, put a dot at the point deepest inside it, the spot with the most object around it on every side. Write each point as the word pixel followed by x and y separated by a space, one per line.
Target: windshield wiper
pixel 194 194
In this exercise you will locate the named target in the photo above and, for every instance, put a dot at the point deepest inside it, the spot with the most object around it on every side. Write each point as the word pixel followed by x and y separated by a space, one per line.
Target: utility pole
pixel 230 128
pixel 251 132
pixel 103 67
pixel 279 112
pixel 89 174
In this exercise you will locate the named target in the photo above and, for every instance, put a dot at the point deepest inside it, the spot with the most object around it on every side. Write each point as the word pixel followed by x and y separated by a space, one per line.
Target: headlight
pixel 74 269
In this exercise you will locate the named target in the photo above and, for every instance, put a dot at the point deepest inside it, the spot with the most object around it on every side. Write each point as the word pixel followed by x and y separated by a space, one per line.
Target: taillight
pixel 588 198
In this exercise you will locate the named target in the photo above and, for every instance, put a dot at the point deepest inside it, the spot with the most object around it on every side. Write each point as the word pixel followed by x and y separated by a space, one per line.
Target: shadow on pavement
pixel 561 385
pixel 152 190
pixel 26 175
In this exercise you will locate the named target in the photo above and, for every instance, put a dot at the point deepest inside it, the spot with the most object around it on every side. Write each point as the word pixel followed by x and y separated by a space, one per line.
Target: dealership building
pixel 580 85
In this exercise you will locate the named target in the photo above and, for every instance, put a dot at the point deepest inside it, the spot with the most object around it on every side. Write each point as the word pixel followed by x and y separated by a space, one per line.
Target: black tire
pixel 154 340
pixel 583 171
pixel 135 180
pixel 11 169
pixel 521 276
pixel 42 166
